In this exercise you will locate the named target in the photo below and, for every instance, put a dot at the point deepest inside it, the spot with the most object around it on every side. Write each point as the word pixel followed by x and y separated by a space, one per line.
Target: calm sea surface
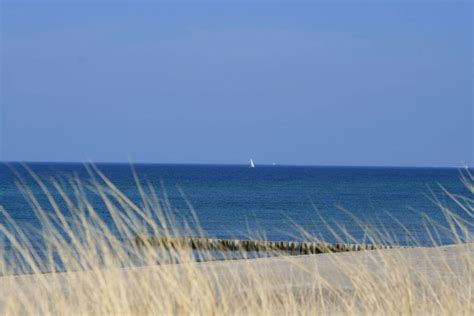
pixel 237 201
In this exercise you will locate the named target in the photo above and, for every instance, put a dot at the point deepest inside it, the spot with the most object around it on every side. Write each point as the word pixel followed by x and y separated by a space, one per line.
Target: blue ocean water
pixel 275 202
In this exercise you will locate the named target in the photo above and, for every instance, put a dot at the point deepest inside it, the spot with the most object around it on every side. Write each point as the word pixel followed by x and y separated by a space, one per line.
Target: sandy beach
pixel 335 271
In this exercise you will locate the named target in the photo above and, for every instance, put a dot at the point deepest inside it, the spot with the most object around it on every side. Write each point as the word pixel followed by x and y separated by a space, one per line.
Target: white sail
pixel 252 165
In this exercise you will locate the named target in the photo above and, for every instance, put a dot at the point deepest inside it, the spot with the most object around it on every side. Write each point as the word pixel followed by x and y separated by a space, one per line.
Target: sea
pixel 273 202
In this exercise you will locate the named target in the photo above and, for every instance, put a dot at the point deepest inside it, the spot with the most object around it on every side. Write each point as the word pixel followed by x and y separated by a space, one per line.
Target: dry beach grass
pixel 103 276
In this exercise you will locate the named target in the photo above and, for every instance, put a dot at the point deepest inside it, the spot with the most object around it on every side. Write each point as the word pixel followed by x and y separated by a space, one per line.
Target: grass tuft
pixel 85 265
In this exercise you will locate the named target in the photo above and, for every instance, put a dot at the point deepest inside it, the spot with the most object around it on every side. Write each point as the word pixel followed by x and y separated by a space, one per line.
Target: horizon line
pixel 230 164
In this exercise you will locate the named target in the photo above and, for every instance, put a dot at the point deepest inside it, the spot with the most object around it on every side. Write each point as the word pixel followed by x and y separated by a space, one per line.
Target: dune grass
pixel 96 269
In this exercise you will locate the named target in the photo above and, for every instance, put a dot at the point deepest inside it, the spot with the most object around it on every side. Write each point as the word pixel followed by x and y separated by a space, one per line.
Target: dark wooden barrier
pixel 251 245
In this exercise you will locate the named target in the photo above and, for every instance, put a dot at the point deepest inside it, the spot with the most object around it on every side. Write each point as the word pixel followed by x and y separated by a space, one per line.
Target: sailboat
pixel 252 165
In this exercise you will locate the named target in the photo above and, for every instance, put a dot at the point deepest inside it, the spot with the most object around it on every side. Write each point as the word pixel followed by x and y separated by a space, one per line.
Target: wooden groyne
pixel 198 243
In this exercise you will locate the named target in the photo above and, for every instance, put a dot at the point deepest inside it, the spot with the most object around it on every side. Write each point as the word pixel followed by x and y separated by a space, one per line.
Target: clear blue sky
pixel 344 83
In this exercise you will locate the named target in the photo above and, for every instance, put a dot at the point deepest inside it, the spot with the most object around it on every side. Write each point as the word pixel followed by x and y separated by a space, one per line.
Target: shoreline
pixel 428 256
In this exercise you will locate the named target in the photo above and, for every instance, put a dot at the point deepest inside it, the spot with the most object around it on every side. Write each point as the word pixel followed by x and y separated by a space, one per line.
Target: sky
pixel 377 83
